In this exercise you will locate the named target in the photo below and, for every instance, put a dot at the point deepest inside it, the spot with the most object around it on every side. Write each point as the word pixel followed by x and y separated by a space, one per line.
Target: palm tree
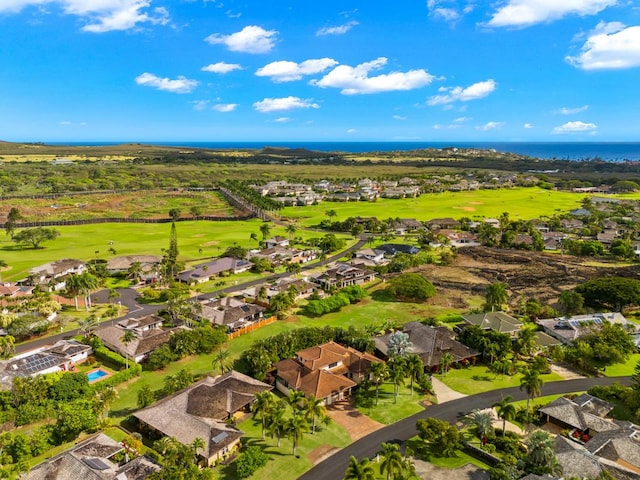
pixel 105 398
pixel 263 405
pixel 481 422
pixel 265 230
pixel 296 400
pixel 221 358
pixel 73 286
pixel 445 362
pixel 254 237
pixel 127 337
pixel 399 344
pixel 314 408
pixel 378 372
pixel 197 444
pixel 293 268
pixel 363 470
pixel 505 410
pixel 295 428
pixel 526 341
pixel 331 213
pixel 134 271
pixel 392 462
pixel 541 458
pixel 397 375
pixel 496 296
pixel 531 383
pixel 88 325
pixel 415 368
pixel 291 230
pixel 276 421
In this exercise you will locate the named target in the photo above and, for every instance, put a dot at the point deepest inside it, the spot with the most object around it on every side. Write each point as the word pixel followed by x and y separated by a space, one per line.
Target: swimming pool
pixel 95 375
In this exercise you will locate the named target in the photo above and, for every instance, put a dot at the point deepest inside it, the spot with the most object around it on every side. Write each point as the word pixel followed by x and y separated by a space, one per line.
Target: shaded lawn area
pixel 479 379
pixel 460 458
pixel 623 369
pixel 387 411
pixel 282 464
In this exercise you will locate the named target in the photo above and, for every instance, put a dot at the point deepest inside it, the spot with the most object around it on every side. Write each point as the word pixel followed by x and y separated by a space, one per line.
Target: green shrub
pixel 250 461
pixel 112 359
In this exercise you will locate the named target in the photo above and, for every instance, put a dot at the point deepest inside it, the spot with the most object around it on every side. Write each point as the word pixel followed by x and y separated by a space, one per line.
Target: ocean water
pixel 579 151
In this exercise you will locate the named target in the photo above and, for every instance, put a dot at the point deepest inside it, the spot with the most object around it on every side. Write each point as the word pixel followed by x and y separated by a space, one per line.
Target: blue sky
pixel 218 70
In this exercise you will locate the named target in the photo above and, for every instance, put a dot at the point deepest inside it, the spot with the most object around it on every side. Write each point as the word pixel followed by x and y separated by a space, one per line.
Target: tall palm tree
pixel 314 408
pixel 221 357
pixel 197 444
pixel 291 230
pixel 263 405
pixel 505 410
pixel 88 325
pixel 415 368
pixel 331 213
pixel 496 296
pixel 531 383
pixel 254 237
pixel 392 462
pixel 73 286
pixel 541 458
pixel 265 230
pixel 276 421
pixel 296 400
pixel 397 376
pixel 296 426
pixel 526 342
pixel 363 470
pixel 127 337
pixel 445 362
pixel 378 372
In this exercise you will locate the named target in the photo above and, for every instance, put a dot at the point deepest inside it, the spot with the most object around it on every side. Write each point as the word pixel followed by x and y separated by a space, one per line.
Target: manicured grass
pixel 460 458
pixel 521 203
pixel 478 379
pixel 282 464
pixel 389 411
pixel 623 369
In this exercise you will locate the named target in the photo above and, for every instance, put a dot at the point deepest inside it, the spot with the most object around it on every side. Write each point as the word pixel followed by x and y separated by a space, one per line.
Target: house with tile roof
pixel 52 275
pixel 497 321
pixel 231 312
pixel 343 275
pixel 204 272
pixel 328 371
pixel 201 411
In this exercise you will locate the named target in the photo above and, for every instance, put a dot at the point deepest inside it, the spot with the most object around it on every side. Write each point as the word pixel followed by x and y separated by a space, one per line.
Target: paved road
pixel 335 466
pixel 129 298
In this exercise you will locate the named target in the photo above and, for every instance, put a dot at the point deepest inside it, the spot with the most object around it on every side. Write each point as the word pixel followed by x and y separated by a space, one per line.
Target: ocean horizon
pixel 577 151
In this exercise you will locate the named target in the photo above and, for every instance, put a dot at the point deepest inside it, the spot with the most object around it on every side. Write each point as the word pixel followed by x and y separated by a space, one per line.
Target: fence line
pixel 91 221
pixel 252 327
pixel 108 192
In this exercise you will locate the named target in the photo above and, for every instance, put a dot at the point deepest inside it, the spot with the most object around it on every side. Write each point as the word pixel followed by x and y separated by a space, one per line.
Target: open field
pixel 521 203
pixel 84 242
pixel 148 204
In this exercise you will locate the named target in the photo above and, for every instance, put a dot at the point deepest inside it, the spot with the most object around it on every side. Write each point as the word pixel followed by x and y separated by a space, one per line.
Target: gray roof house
pixel 149 336
pixel 206 271
pixel 231 312
pixel 200 411
pixel 569 329
pixel 498 321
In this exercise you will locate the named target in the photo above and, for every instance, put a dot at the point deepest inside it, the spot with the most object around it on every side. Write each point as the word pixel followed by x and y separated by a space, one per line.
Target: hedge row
pixel 105 355
pixel 122 376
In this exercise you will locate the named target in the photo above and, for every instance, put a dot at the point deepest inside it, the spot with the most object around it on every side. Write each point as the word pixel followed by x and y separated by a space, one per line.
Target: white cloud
pixel 251 39
pixel 285 71
pixel 610 46
pixel 448 10
pixel 179 85
pixel 221 67
pixel 199 104
pixel 399 117
pixel 472 92
pixel 576 127
pixel 352 130
pixel 527 126
pixel 447 14
pixel 571 111
pixel 101 15
pixel 282 120
pixel 65 123
pixel 490 126
pixel 523 13
pixel 224 107
pixel 356 80
pixel 337 30
pixel 283 104
pixel 439 126
pixel 461 119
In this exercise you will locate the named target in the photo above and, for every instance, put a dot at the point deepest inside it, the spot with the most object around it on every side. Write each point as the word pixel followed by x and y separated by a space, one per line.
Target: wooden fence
pixel 252 327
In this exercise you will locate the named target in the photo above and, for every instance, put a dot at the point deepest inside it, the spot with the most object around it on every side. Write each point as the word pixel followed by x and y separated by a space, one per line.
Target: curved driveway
pixel 335 466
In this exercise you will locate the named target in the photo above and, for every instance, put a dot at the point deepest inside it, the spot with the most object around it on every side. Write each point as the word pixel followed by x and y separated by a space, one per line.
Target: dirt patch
pixel 353 421
pixel 318 454
pixel 197 235
pixel 211 243
pixel 468 472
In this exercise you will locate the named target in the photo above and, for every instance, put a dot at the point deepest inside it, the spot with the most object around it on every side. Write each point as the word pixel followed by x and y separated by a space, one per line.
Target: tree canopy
pixel 613 293
pixel 35 236
pixel 411 287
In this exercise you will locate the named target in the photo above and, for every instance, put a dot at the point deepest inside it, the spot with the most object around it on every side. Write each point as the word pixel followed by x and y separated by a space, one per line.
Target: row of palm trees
pixel 289 417
pixel 392 464
pixel 397 370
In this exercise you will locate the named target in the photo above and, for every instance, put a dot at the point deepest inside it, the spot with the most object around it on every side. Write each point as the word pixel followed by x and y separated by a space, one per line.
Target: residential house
pixel 408 225
pixel 93 459
pixel 430 344
pixel 401 192
pixel 440 223
pixel 456 238
pixel 148 333
pixel 391 249
pixel 553 240
pixel 206 271
pixel 59 357
pixel 571 224
pixel 328 371
pixel 13 290
pixel 569 329
pixel 275 255
pixel 497 321
pixel 232 312
pixel 580 212
pixel 373 255
pixel 343 275
pixel 149 266
pixel 276 241
pixel 494 222
pixel 202 411
pixel 52 275
pixel 302 287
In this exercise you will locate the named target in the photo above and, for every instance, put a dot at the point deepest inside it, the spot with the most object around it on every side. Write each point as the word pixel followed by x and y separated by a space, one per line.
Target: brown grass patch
pixel 211 243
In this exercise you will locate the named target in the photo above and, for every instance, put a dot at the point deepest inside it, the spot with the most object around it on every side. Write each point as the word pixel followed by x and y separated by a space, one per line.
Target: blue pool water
pixel 96 375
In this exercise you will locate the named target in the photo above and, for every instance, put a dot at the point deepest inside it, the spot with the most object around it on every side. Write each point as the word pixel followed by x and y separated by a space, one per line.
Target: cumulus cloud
pixel 221 67
pixel 285 71
pixel 448 10
pixel 337 30
pixel 490 126
pixel 576 127
pixel 523 13
pixel 571 111
pixel 180 84
pixel 101 15
pixel 454 94
pixel 224 107
pixel 356 80
pixel 352 130
pixel 527 126
pixel 251 39
pixel 283 104
pixel 610 46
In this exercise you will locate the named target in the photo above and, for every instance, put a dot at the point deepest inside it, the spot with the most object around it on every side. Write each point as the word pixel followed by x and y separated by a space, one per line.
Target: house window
pixel 333 365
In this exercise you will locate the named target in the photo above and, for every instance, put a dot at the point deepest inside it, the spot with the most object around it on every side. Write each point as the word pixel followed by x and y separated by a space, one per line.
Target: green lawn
pixel 623 369
pixel 521 203
pixel 460 459
pixel 389 411
pixel 282 464
pixel 478 379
